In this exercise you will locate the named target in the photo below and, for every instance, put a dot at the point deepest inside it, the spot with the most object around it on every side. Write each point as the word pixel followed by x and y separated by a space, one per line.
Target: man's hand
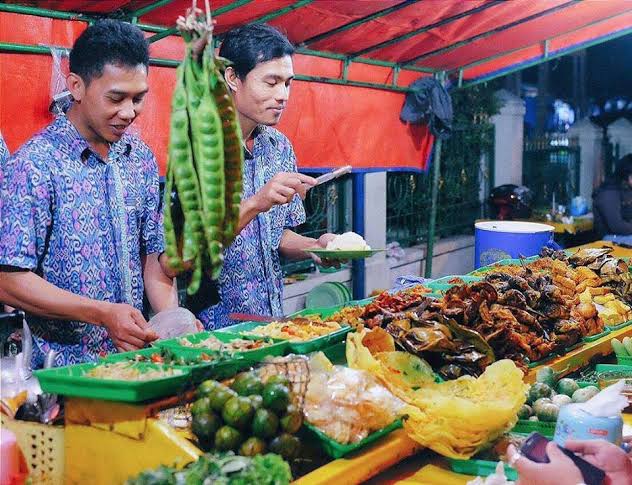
pixel 324 262
pixel 126 326
pixel 281 190
pixel 607 456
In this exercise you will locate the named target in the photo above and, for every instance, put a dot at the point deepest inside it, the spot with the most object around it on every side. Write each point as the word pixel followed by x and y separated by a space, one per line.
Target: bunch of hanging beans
pixel 204 169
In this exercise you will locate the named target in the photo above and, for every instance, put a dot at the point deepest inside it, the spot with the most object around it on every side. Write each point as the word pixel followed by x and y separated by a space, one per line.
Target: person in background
pixel 259 79
pixel 80 219
pixel 612 205
pixel 562 471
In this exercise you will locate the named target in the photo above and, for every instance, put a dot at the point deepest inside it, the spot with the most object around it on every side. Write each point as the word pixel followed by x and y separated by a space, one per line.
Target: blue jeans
pixel 618 238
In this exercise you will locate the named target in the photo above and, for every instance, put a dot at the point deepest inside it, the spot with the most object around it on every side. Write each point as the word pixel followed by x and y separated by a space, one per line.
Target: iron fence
pixel 466 178
pixel 551 167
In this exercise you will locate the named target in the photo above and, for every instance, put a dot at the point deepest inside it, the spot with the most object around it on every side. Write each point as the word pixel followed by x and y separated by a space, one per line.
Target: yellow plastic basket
pixel 43 448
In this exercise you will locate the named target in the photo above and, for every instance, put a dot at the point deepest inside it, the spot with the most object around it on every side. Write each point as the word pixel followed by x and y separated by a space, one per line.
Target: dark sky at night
pixel 609 72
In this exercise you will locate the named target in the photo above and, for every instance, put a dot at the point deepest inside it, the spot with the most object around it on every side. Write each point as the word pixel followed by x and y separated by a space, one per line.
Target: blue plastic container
pixel 496 240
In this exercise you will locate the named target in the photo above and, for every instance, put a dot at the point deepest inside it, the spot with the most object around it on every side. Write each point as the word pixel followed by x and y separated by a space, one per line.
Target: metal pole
pixel 152 6
pixel 358 269
pixel 489 33
pixel 156 61
pixel 436 175
pixel 360 21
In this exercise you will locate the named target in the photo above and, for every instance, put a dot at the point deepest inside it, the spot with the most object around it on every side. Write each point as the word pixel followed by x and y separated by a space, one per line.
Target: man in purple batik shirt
pixel 80 216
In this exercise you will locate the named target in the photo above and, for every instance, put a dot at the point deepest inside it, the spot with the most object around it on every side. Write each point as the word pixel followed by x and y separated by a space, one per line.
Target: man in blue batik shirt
pixel 4 150
pixel 259 79
pixel 80 219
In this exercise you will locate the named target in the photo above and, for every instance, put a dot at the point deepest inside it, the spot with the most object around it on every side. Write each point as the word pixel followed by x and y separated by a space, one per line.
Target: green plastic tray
pixel 338 450
pixel 525 426
pixel 573 347
pixel 613 367
pixel 199 372
pixel 442 284
pixel 619 326
pixel 480 468
pixel 70 381
pixel 337 354
pixel 624 360
pixel 278 348
pixel 597 336
pixel 543 361
pixel 306 347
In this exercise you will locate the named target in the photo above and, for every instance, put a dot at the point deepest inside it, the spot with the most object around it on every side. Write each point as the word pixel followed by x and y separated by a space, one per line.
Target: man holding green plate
pixel 259 79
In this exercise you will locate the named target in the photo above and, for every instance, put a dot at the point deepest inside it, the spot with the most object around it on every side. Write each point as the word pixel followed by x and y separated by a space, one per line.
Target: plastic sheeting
pixel 329 125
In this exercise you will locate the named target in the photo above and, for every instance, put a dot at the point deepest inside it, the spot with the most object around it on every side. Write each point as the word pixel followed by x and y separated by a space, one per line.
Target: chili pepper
pixel 156 358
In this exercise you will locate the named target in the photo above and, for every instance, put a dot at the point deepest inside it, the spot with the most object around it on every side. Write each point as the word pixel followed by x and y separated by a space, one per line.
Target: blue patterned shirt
pixel 252 280
pixel 4 150
pixel 82 224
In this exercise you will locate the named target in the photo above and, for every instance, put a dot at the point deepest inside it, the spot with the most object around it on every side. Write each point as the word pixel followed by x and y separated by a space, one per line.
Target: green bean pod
pixel 208 155
pixel 233 157
pixel 171 239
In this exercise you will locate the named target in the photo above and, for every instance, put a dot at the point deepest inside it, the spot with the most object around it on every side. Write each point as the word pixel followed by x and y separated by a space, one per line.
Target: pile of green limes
pixel 249 417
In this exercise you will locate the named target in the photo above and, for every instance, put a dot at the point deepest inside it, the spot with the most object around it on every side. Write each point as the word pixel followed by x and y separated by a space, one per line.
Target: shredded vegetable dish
pixel 128 371
pixel 299 329
pixel 213 343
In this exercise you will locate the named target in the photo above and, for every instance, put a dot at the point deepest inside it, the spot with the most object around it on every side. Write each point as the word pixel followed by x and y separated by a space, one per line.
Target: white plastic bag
pixel 173 323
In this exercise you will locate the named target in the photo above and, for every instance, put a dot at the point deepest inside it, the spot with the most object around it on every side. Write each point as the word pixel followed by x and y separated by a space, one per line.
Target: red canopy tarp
pixel 329 125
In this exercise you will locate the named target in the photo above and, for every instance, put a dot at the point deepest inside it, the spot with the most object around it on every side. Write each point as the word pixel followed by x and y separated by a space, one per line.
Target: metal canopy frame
pixel 491 32
pixel 426 28
pixel 360 21
pixel 546 56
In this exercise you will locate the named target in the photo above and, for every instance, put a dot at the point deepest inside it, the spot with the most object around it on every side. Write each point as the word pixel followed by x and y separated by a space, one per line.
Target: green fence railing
pixel 551 167
pixel 467 161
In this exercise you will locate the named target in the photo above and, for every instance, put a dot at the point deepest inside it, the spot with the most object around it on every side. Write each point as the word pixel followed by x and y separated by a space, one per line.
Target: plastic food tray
pixel 480 468
pixel 70 381
pixel 443 284
pixel 525 426
pixel 306 347
pixel 619 326
pixel 597 336
pixel 221 369
pixel 543 361
pixel 276 349
pixel 338 450
pixel 624 360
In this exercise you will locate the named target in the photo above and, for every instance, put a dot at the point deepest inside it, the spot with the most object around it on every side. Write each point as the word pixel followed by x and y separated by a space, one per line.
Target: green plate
pixel 480 468
pixel 326 295
pixel 221 369
pixel 70 381
pixel 338 450
pixel 342 254
pixel 278 347
pixel 306 347
pixel 525 426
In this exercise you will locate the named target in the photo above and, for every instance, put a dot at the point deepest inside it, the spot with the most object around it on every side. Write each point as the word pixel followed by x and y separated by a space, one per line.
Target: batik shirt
pixel 82 224
pixel 4 151
pixel 252 280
